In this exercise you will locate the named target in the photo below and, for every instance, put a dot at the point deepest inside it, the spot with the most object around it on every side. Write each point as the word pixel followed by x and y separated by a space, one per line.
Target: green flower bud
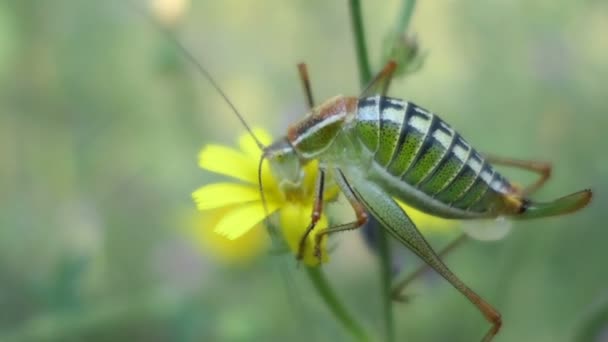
pixel 404 49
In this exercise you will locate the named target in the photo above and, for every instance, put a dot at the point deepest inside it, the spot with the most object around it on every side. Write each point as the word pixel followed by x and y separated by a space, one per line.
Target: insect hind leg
pixel 303 73
pixel 399 287
pixel 380 83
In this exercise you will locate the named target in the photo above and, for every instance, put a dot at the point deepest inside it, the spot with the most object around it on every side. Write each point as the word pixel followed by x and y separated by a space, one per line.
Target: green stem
pixel 405 15
pixel 320 283
pixel 365 74
pixel 385 264
pixel 383 245
pixel 402 46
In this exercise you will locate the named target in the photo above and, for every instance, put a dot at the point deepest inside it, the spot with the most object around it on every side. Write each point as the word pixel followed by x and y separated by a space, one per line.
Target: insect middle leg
pixel 357 207
pixel 542 168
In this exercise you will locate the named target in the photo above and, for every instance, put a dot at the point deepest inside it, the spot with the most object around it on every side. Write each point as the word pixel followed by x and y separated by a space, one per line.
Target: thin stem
pixel 383 245
pixel 402 46
pixel 405 16
pixel 385 263
pixel 320 283
pixel 365 74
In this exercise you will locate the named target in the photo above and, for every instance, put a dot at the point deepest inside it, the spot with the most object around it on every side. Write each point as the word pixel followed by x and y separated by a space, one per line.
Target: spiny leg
pixel 357 207
pixel 303 72
pixel 380 83
pixel 397 291
pixel 394 219
pixel 317 209
pixel 542 168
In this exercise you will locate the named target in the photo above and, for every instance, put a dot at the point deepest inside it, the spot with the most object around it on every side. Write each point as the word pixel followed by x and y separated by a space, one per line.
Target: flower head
pixel 236 252
pixel 241 203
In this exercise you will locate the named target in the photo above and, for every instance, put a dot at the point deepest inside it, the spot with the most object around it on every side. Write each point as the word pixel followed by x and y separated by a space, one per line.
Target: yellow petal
pixel 238 221
pixel 294 219
pixel 229 162
pixel 251 149
pixel 243 250
pixel 271 185
pixel 426 222
pixel 218 195
pixel 331 192
pixel 311 172
pixel 249 146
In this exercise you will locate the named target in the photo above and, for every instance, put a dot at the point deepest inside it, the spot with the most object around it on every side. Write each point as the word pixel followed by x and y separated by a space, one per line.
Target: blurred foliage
pixel 101 121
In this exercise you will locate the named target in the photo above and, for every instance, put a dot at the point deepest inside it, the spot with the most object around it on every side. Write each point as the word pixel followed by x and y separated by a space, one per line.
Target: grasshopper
pixel 377 149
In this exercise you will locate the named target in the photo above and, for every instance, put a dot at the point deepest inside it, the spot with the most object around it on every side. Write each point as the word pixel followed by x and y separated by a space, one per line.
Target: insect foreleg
pixel 398 288
pixel 542 168
pixel 303 72
pixel 317 210
pixel 357 207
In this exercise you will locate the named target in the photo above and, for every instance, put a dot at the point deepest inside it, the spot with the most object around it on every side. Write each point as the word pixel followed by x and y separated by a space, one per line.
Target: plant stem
pixel 320 283
pixel 405 15
pixel 365 74
pixel 383 242
pixel 384 253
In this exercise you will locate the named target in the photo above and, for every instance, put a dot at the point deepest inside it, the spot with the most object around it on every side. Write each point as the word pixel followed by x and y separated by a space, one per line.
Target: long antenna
pixel 198 65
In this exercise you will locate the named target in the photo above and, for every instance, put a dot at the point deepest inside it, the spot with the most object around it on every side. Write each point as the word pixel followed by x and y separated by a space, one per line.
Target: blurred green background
pixel 101 122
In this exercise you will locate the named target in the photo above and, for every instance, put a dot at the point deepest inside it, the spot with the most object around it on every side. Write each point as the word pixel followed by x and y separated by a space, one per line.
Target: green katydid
pixel 378 148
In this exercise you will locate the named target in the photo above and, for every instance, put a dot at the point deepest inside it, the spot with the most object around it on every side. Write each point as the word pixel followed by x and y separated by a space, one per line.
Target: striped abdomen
pixel 416 147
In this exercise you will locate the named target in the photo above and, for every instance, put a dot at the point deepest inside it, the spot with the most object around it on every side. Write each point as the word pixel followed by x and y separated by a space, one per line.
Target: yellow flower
pixel 240 201
pixel 233 224
pixel 240 251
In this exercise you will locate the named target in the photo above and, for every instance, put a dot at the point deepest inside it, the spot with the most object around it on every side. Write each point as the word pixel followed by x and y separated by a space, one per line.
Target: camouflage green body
pixel 379 147
pixel 413 154
pixel 423 161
